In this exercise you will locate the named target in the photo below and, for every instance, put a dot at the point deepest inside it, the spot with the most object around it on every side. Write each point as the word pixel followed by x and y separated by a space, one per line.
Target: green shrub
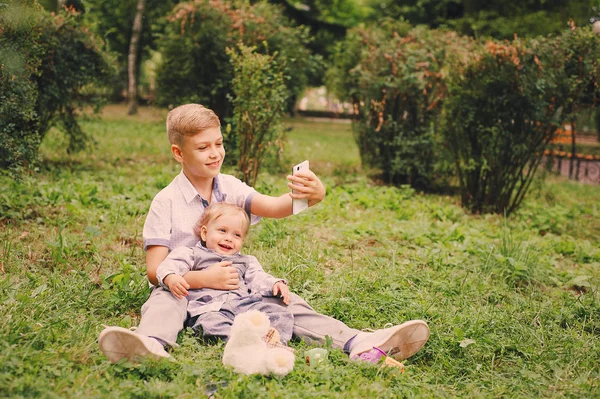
pixel 504 105
pixel 497 121
pixel 196 66
pixel 397 90
pixel 259 95
pixel 19 137
pixel 51 67
pixel 572 60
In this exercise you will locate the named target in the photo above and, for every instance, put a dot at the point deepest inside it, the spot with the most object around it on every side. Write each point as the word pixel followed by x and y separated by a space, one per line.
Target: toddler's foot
pixel 399 342
pixel 118 343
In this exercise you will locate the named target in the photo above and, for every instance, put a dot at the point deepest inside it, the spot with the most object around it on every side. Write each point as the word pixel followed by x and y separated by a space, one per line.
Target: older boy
pixel 197 144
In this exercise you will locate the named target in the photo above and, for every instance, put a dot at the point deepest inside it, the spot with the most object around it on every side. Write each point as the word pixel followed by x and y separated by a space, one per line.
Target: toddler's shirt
pixel 253 279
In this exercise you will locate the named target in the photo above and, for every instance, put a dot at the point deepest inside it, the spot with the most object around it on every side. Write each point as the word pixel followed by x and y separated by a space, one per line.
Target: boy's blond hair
pixel 218 209
pixel 189 120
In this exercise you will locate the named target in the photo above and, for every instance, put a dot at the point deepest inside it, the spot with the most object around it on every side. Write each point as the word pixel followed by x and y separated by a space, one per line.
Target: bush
pixel 196 66
pixel 397 90
pixel 51 68
pixel 498 119
pixel 259 95
pixel 19 137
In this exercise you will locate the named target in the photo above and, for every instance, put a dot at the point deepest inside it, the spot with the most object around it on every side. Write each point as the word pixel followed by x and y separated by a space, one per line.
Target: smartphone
pixel 298 205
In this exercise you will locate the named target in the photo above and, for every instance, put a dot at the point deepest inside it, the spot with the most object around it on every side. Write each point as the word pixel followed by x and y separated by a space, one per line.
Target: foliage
pixel 397 89
pixel 18 93
pixel 113 20
pixel 500 105
pixel 196 67
pixel 504 106
pixel 500 19
pixel 55 67
pixel 368 254
pixel 572 60
pixel 259 95
pixel 498 119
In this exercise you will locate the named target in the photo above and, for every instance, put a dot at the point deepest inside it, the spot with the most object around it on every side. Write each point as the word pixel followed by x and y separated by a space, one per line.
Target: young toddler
pixel 222 230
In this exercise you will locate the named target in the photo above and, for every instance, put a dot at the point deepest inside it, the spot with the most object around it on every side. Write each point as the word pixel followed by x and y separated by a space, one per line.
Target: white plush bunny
pixel 249 354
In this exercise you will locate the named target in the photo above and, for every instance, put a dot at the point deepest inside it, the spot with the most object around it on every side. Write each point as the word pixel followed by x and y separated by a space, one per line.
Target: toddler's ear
pixel 203 231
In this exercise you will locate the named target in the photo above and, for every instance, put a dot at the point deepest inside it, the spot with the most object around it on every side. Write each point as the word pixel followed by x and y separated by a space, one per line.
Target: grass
pixel 513 304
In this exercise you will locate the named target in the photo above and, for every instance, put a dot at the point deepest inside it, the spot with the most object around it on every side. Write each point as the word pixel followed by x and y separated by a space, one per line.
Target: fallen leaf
pixel 466 342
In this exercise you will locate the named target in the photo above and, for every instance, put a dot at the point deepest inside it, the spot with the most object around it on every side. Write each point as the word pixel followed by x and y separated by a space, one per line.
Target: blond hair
pixel 189 120
pixel 218 209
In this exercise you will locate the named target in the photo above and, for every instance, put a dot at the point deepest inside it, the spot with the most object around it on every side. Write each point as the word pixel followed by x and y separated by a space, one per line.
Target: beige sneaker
pixel 118 343
pixel 399 342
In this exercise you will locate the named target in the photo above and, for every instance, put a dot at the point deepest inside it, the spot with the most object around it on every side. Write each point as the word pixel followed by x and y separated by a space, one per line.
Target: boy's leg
pixel 400 341
pixel 163 316
pixel 311 326
pixel 162 319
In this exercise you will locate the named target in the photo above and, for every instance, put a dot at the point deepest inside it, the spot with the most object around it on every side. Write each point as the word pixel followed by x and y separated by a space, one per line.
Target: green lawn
pixel 513 304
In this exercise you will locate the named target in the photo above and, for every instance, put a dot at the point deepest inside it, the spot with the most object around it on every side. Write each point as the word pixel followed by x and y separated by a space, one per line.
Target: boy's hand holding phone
pixel 307 188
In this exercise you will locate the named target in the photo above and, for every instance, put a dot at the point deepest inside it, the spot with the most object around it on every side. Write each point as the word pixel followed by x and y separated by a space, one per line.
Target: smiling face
pixel 225 234
pixel 201 155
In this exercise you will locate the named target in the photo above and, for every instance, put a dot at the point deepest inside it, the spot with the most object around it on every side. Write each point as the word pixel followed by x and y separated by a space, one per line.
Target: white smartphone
pixel 298 205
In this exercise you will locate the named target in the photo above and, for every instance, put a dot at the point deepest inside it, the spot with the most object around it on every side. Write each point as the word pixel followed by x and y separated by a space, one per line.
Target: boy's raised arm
pixel 306 186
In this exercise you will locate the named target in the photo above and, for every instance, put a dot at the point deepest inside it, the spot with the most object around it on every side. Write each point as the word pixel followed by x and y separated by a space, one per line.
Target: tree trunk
pixel 132 59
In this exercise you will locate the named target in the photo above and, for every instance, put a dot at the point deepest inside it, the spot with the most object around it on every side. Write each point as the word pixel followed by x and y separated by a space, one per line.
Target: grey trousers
pixel 163 316
pixel 218 323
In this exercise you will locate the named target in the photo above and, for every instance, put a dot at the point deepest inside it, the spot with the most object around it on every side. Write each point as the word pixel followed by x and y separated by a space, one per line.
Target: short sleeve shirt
pixel 177 208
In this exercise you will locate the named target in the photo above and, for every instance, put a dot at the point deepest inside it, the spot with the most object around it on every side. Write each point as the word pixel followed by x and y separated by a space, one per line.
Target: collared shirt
pixel 253 279
pixel 177 208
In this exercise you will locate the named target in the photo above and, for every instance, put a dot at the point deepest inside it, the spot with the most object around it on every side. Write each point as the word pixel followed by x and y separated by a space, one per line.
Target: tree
pixel 195 66
pixel 113 20
pixel 500 19
pixel 132 100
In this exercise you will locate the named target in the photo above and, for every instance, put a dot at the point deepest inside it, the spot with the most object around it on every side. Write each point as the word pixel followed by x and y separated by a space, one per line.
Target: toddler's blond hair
pixel 218 209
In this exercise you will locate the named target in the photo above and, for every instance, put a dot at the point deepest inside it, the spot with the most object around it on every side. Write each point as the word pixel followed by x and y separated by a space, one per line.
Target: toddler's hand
pixel 281 288
pixel 221 276
pixel 177 285
pixel 306 186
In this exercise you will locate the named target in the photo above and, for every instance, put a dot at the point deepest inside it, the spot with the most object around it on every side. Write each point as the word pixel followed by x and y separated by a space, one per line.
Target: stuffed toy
pixel 248 352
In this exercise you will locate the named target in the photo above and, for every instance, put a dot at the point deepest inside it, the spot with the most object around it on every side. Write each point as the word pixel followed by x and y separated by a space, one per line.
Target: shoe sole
pixel 403 341
pixel 407 340
pixel 123 344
